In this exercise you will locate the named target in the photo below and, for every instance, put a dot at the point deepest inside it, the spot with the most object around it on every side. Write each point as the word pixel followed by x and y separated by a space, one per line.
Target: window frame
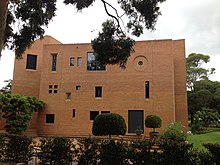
pixel 98 91
pixel 31 62
pixel 50 118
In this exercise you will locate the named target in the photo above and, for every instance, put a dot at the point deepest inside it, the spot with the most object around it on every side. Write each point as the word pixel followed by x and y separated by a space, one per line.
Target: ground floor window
pixel 93 114
pixel 135 120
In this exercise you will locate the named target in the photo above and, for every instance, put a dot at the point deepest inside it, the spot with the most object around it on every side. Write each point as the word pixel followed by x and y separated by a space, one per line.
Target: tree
pixel 194 69
pixel 17 111
pixel 109 124
pixel 32 16
pixel 7 88
pixel 153 121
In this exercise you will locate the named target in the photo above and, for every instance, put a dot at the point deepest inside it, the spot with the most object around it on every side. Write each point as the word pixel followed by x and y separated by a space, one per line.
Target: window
pixel 93 114
pixel 31 62
pixel 147 89
pixel 53 89
pixel 54 62
pixel 78 87
pixel 98 91
pixel 105 112
pixel 68 96
pixel 50 118
pixel 72 59
pixel 79 61
pixel 74 113
pixel 135 120
pixel 92 64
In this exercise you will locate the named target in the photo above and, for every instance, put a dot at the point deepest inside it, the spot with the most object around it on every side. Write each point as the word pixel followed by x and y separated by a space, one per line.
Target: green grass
pixel 211 135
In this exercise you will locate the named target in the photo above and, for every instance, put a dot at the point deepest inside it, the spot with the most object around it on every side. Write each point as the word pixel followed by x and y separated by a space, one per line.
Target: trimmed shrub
pixel 18 149
pixel 109 124
pixel 153 121
pixel 56 151
pixel 2 147
pixel 214 150
pixel 174 131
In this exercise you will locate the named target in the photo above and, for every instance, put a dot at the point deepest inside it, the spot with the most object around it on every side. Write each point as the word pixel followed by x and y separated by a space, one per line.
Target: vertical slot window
pixel 73 113
pixel 54 62
pixel 147 89
pixel 79 61
pixel 98 91
pixel 72 59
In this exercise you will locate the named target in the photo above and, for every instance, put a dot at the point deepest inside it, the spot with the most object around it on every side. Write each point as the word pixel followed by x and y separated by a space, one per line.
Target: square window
pixel 31 62
pixel 72 59
pixel 79 61
pixel 55 86
pixel 50 118
pixel 93 114
pixel 74 113
pixel 50 91
pixel 78 87
pixel 98 91
pixel 55 91
pixel 93 64
pixel 50 86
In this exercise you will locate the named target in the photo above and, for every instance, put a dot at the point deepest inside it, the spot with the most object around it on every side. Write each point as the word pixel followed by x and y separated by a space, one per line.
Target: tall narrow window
pixel 98 91
pixel 72 59
pixel 31 62
pixel 147 89
pixel 79 61
pixel 74 113
pixel 54 62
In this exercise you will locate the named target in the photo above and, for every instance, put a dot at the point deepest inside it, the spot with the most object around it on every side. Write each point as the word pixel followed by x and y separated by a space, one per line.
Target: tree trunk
pixel 3 18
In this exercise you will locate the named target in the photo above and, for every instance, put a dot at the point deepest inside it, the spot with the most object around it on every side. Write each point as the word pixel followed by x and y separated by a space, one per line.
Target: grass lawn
pixel 211 135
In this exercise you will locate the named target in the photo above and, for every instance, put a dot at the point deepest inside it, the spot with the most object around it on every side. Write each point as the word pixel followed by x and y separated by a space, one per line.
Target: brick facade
pixel 69 92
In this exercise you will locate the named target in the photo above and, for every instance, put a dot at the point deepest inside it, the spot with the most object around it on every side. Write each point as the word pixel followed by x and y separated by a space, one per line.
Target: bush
pixel 113 153
pixel 56 151
pixel 174 131
pixel 215 151
pixel 18 149
pixel 153 121
pixel 109 124
pixel 2 147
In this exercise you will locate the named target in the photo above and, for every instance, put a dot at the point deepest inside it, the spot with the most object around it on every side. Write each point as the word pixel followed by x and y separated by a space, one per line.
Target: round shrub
pixel 174 131
pixel 153 121
pixel 109 124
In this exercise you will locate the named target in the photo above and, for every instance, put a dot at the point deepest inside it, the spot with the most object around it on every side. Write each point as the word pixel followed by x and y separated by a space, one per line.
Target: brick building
pixel 76 88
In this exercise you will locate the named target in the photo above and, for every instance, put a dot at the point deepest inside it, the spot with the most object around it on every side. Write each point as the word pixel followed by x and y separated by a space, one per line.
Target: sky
pixel 196 21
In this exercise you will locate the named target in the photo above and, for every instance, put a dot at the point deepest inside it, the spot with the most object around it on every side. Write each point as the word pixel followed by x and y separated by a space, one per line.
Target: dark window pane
pixel 55 86
pixel 31 62
pixel 54 62
pixel 50 91
pixel 71 61
pixel 50 86
pixel 135 120
pixel 93 114
pixel 147 89
pixel 78 88
pixel 49 118
pixel 55 91
pixel 105 111
pixel 92 64
pixel 98 91
pixel 74 113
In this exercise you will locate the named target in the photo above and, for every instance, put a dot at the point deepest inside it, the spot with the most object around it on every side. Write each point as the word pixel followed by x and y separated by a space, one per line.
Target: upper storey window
pixel 92 64
pixel 31 62
pixel 54 62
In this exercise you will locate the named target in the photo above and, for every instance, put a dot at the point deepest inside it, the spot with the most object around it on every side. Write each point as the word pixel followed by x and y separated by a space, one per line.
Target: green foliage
pixel 194 69
pixel 175 132
pixel 215 151
pixel 175 152
pixel 153 121
pixel 56 151
pixel 113 153
pixel 18 149
pixel 7 88
pixel 17 110
pixel 109 124
pixel 112 45
pixel 2 147
pixel 33 16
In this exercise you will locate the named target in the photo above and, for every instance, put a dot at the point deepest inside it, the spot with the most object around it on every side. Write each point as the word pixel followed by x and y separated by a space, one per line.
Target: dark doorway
pixel 135 120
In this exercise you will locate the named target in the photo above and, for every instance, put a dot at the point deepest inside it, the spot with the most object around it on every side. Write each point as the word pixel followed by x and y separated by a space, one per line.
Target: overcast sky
pixel 196 21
